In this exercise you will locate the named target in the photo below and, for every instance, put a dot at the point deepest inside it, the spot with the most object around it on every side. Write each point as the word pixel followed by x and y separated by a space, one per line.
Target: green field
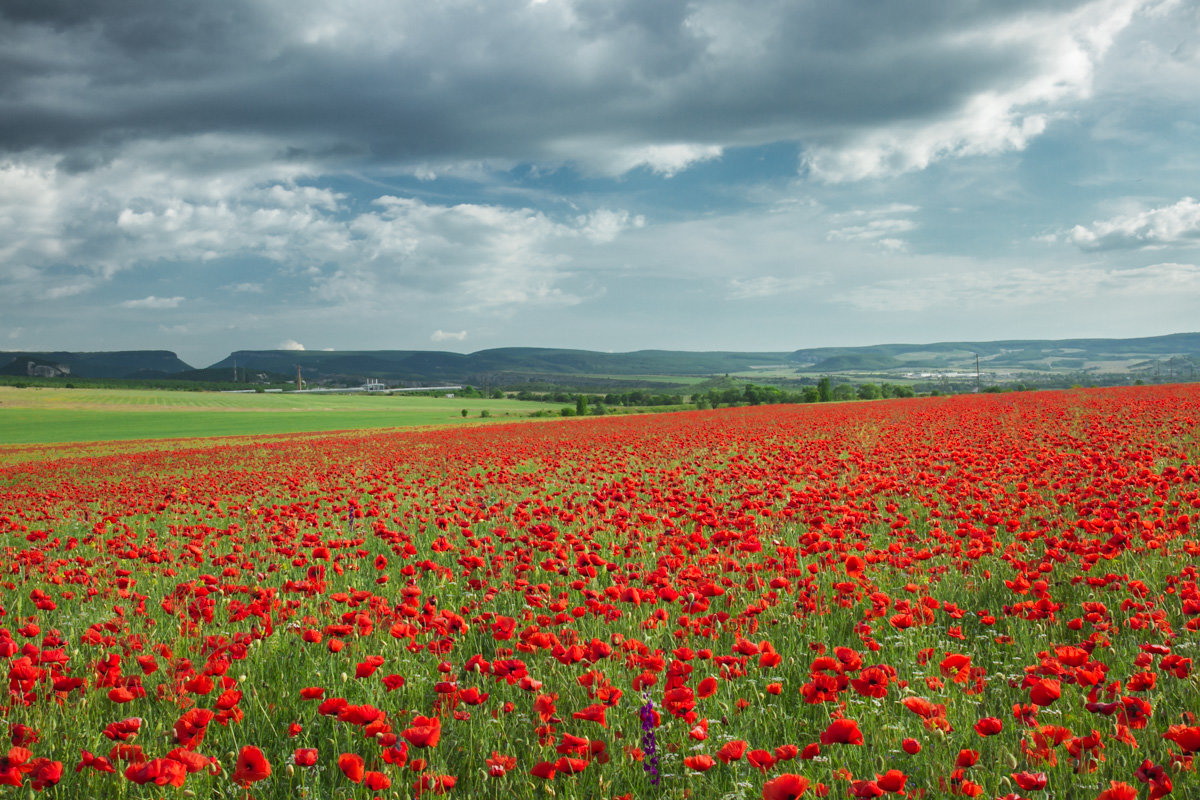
pixel 46 416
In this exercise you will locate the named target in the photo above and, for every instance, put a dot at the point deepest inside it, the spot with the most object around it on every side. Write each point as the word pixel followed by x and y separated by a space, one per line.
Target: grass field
pixel 44 416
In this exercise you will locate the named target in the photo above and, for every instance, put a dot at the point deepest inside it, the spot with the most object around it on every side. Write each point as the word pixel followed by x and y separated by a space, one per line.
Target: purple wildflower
pixel 649 748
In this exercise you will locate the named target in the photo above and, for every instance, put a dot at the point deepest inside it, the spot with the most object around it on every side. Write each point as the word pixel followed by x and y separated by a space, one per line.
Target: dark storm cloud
pixel 554 80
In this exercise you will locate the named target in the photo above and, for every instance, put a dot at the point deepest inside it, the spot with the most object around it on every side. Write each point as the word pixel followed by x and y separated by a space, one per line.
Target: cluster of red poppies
pixel 990 596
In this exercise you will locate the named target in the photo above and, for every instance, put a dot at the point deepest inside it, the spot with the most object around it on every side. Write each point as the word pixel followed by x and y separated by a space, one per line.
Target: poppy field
pixel 986 596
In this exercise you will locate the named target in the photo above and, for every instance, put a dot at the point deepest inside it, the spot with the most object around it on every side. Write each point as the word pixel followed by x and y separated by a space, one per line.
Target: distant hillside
pixel 508 362
pixel 1097 355
pixel 1155 357
pixel 857 361
pixel 537 364
pixel 115 364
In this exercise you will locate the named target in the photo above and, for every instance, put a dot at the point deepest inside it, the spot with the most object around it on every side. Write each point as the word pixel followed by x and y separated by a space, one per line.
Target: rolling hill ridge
pixel 1174 355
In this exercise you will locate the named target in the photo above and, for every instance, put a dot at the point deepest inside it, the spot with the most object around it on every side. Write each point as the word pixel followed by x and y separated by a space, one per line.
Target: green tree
pixel 581 406
pixel 843 392
pixel 825 389
pixel 869 391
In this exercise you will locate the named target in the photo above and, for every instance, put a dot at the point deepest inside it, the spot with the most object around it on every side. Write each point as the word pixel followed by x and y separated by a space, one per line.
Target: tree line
pixel 825 391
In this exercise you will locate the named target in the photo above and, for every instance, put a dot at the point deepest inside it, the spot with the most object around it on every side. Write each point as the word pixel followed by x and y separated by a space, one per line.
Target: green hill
pixel 486 365
pixel 1173 355
pixel 113 364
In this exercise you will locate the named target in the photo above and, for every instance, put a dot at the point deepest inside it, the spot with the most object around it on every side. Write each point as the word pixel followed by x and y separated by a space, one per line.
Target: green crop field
pixel 45 416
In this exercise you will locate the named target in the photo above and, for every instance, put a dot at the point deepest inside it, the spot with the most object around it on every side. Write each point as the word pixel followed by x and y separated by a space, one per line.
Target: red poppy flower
pixel 786 752
pixel 124 730
pixel 593 713
pixel 1186 736
pixel 1118 791
pixel 569 766
pixel 761 760
pixel 785 787
pixel 121 694
pixel 376 781
pixel 160 771
pixel 700 763
pixel 732 751
pixel 44 773
pixel 989 726
pixel 252 766
pixel 305 756
pixel 499 766
pixel 871 682
pixel 1030 781
pixel 1043 692
pixel 352 766
pixel 190 728
pixel 424 732
pixel 891 781
pixel 865 790
pixel 366 668
pixel 192 762
pixel 842 731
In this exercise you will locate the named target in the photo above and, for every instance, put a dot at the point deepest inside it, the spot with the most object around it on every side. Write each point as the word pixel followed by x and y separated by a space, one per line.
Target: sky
pixel 767 175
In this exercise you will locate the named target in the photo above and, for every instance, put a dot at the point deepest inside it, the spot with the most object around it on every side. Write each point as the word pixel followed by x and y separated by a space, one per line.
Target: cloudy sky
pixel 213 175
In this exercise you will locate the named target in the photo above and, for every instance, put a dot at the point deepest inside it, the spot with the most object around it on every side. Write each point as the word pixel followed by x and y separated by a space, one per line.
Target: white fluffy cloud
pixel 101 223
pixel 763 286
pixel 153 302
pixel 489 257
pixel 664 159
pixel 447 336
pixel 1059 51
pixel 289 344
pixel 1176 224
pixel 883 232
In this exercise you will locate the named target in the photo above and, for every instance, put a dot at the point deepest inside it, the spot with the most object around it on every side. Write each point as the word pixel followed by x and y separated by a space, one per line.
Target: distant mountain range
pixel 1096 355
pixel 115 364
pixel 1175 354
pixel 489 365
